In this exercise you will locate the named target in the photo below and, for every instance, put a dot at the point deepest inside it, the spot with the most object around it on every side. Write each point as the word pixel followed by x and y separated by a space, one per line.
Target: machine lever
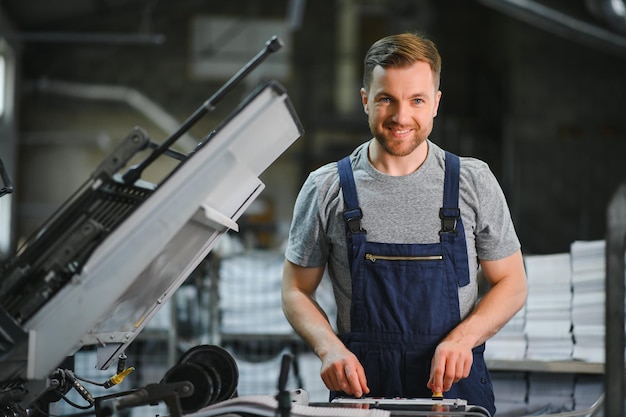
pixel 284 396
pixel 272 45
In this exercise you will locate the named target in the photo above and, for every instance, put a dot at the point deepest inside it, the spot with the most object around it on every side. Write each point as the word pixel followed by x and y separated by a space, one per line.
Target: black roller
pixel 222 362
pixel 212 371
pixel 202 381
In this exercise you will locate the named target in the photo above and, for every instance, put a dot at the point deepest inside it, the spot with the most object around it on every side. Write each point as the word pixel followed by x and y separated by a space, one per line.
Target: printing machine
pixel 104 264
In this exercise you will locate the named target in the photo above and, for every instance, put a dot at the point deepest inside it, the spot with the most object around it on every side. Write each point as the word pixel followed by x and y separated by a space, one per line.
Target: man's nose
pixel 401 113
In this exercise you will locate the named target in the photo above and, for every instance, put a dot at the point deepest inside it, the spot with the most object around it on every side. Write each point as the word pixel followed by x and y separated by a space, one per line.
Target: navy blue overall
pixel 405 300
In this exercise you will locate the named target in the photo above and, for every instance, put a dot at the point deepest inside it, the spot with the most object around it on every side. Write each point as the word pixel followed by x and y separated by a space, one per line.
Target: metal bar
pixel 272 45
pixel 614 316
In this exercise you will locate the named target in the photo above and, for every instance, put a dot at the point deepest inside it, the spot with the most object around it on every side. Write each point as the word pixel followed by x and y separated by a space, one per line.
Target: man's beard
pixel 399 147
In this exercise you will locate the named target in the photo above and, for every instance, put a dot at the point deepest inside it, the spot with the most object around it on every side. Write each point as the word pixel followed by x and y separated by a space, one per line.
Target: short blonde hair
pixel 399 51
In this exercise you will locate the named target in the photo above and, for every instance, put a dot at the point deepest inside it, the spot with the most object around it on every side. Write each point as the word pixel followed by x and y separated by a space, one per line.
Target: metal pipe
pixel 130 96
pixel 85 37
pixel 559 23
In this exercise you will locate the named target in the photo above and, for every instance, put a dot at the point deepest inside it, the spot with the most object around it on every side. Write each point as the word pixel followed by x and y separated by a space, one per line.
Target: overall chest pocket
pixel 404 290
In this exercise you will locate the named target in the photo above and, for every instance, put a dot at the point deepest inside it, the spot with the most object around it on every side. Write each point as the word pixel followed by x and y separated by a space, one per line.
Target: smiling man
pixel 402 227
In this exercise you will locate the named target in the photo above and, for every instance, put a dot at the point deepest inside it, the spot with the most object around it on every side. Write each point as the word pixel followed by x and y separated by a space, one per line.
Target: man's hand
pixel 453 357
pixel 451 362
pixel 342 371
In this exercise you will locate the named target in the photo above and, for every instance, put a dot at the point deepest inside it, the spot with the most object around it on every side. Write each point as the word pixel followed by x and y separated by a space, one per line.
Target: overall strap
pixel 450 214
pixel 352 214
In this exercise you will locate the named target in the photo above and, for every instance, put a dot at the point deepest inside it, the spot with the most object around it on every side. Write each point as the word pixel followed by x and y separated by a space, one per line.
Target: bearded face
pixel 401 104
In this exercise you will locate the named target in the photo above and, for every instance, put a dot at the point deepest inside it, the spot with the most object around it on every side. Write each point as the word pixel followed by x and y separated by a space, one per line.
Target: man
pixel 402 227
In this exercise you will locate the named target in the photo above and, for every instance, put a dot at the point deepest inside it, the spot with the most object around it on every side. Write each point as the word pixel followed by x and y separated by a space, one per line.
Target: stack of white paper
pixel 548 309
pixel 550 393
pixel 259 371
pixel 261 377
pixel 510 390
pixel 510 342
pixel 250 294
pixel 587 391
pixel 588 301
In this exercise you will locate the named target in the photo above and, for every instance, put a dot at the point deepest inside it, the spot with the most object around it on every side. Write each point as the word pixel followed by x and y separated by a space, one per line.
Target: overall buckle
pixel 353 220
pixel 449 218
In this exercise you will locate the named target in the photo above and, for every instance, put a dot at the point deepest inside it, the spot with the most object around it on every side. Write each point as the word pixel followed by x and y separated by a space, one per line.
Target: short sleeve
pixel 495 233
pixel 307 245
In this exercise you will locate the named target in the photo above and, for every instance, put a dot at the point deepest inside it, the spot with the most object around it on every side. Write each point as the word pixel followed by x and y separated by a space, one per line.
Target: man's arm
pixel 507 294
pixel 341 370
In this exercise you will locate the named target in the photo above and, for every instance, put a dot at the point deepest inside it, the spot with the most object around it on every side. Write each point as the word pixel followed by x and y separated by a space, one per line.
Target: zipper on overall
pixel 373 258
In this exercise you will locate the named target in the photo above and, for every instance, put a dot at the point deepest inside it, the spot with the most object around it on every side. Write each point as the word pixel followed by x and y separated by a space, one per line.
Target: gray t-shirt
pixel 398 209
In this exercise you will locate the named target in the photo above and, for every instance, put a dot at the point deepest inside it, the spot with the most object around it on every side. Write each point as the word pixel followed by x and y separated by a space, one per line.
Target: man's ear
pixel 437 99
pixel 364 100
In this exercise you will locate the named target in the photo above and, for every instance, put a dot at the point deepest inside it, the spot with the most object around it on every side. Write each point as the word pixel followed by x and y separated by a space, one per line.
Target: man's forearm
pixel 489 316
pixel 503 300
pixel 309 321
